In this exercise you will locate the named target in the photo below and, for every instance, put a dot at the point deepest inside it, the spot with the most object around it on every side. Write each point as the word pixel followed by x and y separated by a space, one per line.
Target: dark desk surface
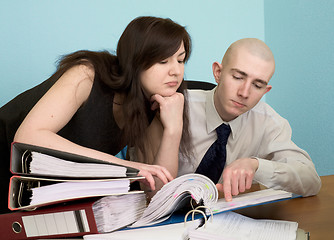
pixel 314 214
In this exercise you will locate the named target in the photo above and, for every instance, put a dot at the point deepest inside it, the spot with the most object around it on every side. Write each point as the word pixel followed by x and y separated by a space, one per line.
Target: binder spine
pixel 46 223
pixel 68 222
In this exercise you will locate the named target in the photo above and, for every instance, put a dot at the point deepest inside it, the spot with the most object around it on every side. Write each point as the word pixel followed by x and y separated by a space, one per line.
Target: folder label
pixel 55 223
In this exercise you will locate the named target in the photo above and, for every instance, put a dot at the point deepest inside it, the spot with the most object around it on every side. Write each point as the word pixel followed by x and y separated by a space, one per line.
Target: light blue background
pixel 34 33
pixel 301 35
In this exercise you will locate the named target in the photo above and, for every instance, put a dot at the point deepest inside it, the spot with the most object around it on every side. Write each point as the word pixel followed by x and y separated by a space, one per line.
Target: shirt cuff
pixel 265 172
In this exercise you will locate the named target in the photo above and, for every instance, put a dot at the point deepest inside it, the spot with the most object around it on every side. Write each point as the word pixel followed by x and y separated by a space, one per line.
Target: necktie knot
pixel 223 131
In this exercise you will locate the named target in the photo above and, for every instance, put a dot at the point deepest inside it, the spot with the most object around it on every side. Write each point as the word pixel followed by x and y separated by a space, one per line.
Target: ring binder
pixel 193 211
pixel 26 181
pixel 24 190
pixel 193 214
pixel 26 156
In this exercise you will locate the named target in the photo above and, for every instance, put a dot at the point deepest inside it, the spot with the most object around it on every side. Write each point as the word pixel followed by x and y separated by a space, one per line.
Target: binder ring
pixel 193 214
pixel 196 210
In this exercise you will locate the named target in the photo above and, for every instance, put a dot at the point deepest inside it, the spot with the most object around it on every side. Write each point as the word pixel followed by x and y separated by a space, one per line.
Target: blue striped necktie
pixel 213 162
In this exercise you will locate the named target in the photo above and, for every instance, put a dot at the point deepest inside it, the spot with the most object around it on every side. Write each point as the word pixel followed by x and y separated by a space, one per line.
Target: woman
pixel 96 103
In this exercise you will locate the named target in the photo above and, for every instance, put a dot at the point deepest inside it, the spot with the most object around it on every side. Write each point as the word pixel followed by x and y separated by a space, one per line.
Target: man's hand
pixel 238 176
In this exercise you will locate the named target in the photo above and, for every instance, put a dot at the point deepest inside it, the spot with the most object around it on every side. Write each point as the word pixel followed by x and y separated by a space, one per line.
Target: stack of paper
pixel 223 226
pixel 44 176
pixel 70 190
pixel 43 164
pixel 114 212
pixel 177 231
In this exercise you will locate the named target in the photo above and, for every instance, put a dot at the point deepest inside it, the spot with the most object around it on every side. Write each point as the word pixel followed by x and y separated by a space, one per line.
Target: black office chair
pixel 191 84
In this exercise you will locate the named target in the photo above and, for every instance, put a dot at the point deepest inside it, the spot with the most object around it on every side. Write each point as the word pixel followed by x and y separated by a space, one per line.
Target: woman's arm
pixel 55 109
pixel 164 134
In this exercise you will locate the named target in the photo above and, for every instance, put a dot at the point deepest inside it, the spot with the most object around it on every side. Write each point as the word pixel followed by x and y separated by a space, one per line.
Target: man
pixel 259 146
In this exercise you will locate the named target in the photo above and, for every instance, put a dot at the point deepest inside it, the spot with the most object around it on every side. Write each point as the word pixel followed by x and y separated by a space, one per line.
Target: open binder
pixel 198 190
pixel 20 190
pixel 21 159
pixel 23 183
pixel 74 218
pixel 226 225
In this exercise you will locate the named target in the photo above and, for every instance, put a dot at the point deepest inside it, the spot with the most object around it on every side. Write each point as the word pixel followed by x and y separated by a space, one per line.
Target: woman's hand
pixel 170 110
pixel 151 171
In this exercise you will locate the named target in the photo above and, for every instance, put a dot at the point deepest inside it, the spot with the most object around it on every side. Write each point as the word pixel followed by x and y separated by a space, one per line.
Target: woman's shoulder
pixel 77 82
pixel 78 75
pixel 81 72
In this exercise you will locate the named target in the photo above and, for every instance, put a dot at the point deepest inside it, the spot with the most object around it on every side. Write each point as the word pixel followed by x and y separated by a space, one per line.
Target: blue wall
pixel 34 33
pixel 301 35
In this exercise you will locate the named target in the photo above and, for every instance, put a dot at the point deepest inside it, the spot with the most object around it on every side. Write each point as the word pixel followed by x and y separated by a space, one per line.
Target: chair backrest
pixel 191 84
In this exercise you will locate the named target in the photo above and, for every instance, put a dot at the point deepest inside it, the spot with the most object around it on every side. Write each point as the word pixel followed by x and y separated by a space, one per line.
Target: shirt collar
pixel 213 118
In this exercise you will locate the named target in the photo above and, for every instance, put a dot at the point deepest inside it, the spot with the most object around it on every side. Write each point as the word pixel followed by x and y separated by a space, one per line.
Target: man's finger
pixel 227 190
pixel 249 181
pixel 219 187
pixel 242 183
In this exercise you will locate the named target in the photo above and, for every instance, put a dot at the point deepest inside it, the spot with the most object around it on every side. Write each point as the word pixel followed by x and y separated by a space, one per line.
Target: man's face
pixel 242 82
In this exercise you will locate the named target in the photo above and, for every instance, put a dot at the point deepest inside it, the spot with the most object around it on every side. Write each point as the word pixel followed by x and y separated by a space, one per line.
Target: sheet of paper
pixel 177 231
pixel 247 199
pixel 234 226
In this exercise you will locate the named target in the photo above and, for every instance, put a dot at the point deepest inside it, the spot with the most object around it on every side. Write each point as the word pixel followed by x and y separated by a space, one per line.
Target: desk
pixel 314 214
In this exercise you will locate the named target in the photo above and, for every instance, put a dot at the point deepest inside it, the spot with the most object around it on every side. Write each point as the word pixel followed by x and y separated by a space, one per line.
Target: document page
pixel 52 166
pixel 249 199
pixel 234 226
pixel 177 231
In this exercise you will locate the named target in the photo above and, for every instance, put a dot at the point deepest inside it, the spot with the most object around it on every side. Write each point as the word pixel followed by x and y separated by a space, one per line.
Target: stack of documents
pixel 196 189
pixel 67 195
pixel 45 176
pixel 43 164
pixel 222 226
pixel 74 218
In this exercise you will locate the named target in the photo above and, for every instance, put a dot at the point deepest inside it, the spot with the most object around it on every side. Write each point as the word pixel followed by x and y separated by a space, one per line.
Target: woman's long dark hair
pixel 144 42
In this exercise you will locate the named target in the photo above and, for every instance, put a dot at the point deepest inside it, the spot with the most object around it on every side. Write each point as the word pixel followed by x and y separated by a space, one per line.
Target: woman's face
pixel 164 77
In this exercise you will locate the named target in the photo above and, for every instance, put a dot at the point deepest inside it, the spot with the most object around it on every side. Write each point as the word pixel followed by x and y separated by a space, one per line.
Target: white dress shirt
pixel 260 133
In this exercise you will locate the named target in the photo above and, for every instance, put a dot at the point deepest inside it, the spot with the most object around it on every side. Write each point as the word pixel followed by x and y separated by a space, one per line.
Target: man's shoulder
pixel 261 116
pixel 262 106
pixel 264 109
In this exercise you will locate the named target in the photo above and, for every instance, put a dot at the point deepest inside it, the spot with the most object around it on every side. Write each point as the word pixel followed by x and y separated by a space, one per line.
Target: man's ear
pixel 268 88
pixel 216 70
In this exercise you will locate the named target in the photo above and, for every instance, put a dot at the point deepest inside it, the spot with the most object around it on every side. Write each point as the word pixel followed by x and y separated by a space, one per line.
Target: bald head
pixel 253 45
